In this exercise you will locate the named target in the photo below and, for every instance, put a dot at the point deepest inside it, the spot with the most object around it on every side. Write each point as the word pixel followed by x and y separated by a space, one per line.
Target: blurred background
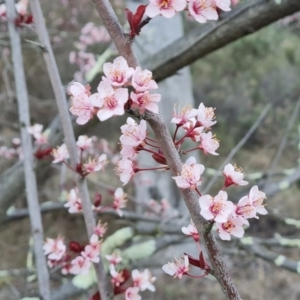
pixel 251 82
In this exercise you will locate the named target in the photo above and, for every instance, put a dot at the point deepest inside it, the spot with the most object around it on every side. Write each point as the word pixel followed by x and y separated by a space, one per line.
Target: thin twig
pixel 59 92
pixel 30 178
pixel 238 147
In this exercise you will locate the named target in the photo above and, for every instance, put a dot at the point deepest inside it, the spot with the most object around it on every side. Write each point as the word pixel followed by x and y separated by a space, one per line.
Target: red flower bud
pixel 75 247
pixel 98 200
pixel 159 158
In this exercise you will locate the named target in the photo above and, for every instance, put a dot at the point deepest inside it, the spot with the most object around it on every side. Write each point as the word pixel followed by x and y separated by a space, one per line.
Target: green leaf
pixel 278 2
pixel 85 281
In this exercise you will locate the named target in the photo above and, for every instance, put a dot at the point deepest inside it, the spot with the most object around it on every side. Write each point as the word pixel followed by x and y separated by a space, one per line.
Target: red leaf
pixel 138 16
pixel 41 153
pixel 134 20
pixel 96 296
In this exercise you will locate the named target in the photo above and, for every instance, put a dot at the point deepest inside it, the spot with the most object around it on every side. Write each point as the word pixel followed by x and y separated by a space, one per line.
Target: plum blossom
pixel 209 143
pixel 191 230
pixel 143 280
pixel 36 131
pixel 142 80
pixel 118 72
pixel 60 154
pixel 177 268
pixel 202 10
pixel 119 201
pixel 216 208
pixel 184 115
pixel 245 209
pixel 257 197
pixel 222 4
pixel 95 165
pixel 128 151
pixel 192 131
pixel 125 170
pixel 81 105
pixel 117 277
pixel 145 101
pixel 233 226
pixel 91 251
pixel 114 258
pixel 167 8
pixel 84 142
pixel 133 134
pixel 233 175
pixel 206 116
pixel 100 229
pixel 74 202
pixel 190 174
pixel 54 248
pixel 80 265
pixel 132 293
pixel 110 101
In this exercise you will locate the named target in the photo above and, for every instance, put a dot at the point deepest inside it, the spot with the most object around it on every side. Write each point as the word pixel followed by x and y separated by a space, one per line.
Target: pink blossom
pixel 2 10
pixel 192 131
pixel 257 197
pixel 132 293
pixel 233 226
pixel 81 105
pixel 216 208
pixel 80 265
pixel 145 101
pixel 202 10
pixel 84 142
pixel 91 251
pixel 95 165
pixel 190 174
pixel 125 170
pixel 128 151
pixel 36 131
pixel 167 8
pixel 233 175
pixel 100 229
pixel 74 202
pixel 21 7
pixel 119 201
pixel 60 154
pixel 184 115
pixel 142 80
pixel 54 248
pixel 209 143
pixel 117 277
pixel 114 258
pixel 118 72
pixel 110 101
pixel 143 280
pixel 245 208
pixel 133 134
pixel 177 268
pixel 206 116
pixel 191 230
pixel 223 4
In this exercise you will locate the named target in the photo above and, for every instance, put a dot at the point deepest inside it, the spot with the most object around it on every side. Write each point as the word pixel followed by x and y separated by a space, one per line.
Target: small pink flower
pixel 118 72
pixel 54 248
pixel 209 144
pixel 233 226
pixel 133 134
pixel 21 7
pixel 41 138
pixel 223 4
pixel 206 116
pixel 257 197
pixel 167 8
pixel 143 280
pixel 192 131
pixel 202 10
pixel 119 201
pixel 91 252
pixel 191 230
pixel 117 277
pixel 114 258
pixel 60 154
pixel 245 208
pixel 84 142
pixel 216 208
pixel 110 101
pixel 128 151
pixel 132 293
pixel 184 115
pixel 233 175
pixel 177 268
pixel 142 80
pixel 190 174
pixel 81 105
pixel 145 101
pixel 95 165
pixel 125 170
pixel 100 229
pixel 80 265
pixel 74 202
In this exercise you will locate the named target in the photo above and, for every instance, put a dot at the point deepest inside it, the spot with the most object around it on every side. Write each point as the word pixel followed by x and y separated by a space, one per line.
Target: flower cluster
pixel 112 95
pixel 12 152
pixel 200 10
pixel 40 136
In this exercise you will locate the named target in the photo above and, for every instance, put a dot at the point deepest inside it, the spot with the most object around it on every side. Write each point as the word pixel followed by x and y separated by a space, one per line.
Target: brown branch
pixel 243 20
pixel 28 161
pixel 163 136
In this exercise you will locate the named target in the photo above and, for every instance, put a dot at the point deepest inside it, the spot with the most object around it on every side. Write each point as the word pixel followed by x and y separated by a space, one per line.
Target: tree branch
pixel 243 20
